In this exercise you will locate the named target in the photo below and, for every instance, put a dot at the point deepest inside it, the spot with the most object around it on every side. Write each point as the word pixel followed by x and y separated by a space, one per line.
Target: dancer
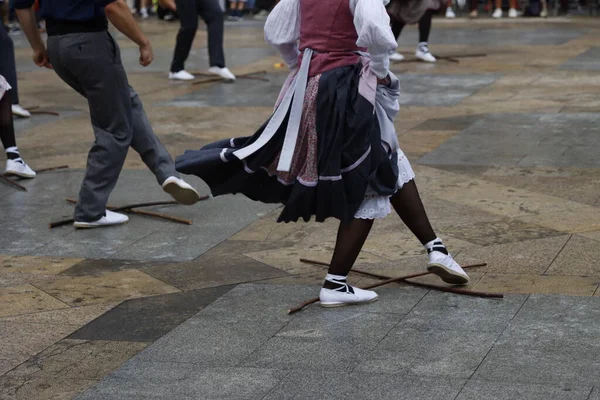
pixel 422 52
pixel 8 66
pixel 236 10
pixel 212 14
pixel 14 163
pixel 330 148
pixel 87 58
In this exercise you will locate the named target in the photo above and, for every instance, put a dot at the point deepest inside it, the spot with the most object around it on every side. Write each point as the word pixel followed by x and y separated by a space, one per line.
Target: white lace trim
pixel 377 207
pixel 4 86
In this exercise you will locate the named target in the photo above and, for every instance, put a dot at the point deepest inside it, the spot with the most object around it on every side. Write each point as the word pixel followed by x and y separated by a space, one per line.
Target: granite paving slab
pixel 150 318
pixel 443 343
pixel 589 60
pixel 558 140
pixel 142 238
pixel 441 90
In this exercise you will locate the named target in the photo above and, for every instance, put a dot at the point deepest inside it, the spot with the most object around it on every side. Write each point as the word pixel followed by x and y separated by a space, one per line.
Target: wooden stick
pixel 397 280
pixel 12 183
pixel 45 112
pixel 212 78
pixel 39 171
pixel 147 213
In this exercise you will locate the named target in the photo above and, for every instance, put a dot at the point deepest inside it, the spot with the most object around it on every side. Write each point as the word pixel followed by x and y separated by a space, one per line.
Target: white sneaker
pixel 144 13
pixel 346 295
pixel 182 75
pixel 111 218
pixel 396 57
pixel 512 13
pixel 18 167
pixel 224 73
pixel 544 13
pixel 181 191
pixel 424 54
pixel 444 266
pixel 497 13
pixel 450 13
pixel 20 111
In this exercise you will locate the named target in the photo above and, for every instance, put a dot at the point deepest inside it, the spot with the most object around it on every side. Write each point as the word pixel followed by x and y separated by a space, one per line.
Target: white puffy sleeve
pixel 282 30
pixel 373 26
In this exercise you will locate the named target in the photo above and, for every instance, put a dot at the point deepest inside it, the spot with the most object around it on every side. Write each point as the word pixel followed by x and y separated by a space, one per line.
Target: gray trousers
pixel 91 64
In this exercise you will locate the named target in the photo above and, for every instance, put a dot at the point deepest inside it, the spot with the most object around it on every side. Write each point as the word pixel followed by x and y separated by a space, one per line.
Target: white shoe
pixel 182 75
pixel 20 111
pixel 345 296
pixel 396 57
pixel 224 73
pixel 424 54
pixel 444 266
pixel 181 191
pixel 512 13
pixel 144 13
pixel 111 218
pixel 450 13
pixel 18 167
pixel 544 13
pixel 497 13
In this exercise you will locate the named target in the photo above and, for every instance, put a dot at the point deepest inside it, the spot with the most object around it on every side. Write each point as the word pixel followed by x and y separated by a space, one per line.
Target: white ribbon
pixel 296 92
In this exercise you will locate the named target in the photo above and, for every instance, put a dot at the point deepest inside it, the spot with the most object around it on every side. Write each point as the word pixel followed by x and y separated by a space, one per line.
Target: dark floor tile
pixel 102 266
pixel 148 319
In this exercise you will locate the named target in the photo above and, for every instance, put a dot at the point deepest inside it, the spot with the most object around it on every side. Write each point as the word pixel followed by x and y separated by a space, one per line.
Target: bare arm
pixel 29 26
pixel 119 14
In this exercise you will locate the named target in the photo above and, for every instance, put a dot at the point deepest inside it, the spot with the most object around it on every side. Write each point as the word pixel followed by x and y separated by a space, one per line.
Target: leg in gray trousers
pixel 91 64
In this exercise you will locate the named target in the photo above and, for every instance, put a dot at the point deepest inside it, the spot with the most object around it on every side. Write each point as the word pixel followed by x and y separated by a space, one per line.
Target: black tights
pixel 352 235
pixel 7 129
pixel 424 26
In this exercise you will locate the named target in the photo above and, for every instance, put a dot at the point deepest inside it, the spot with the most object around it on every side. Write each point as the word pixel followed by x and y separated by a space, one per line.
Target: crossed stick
pixel 401 279
pixel 212 78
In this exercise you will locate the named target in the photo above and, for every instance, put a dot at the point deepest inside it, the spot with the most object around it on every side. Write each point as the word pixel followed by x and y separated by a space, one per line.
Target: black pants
pixel 212 14
pixel 8 68
pixel 424 26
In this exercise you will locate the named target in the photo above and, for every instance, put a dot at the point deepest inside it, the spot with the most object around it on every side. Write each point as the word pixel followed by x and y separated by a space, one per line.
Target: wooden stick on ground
pixel 211 78
pixel 147 213
pixel 402 279
pixel 39 171
pixel 47 112
pixel 12 183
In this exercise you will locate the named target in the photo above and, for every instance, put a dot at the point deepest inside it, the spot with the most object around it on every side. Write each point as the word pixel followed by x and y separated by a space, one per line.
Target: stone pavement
pixel 504 144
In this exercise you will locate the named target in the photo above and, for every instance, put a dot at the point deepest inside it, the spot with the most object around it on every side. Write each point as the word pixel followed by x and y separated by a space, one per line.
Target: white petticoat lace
pixel 4 86
pixel 376 207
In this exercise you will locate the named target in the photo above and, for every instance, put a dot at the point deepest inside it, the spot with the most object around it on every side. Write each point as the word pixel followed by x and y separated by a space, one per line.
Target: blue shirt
pixel 68 10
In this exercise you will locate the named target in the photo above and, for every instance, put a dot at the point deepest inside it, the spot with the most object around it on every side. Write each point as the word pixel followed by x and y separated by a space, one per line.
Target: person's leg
pixel 145 8
pixel 350 239
pixel 397 27
pixel 449 11
pixel 89 63
pixel 15 165
pixel 188 17
pixel 241 6
pixel 211 13
pixel 8 68
pixel 409 207
pixel 7 128
pixel 422 51
pixel 498 11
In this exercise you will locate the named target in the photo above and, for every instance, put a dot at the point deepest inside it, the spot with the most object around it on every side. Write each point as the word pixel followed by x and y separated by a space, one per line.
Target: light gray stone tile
pixel 429 352
pixel 316 385
pixel 462 313
pixel 310 353
pixel 212 342
pixel 155 380
pixel 485 390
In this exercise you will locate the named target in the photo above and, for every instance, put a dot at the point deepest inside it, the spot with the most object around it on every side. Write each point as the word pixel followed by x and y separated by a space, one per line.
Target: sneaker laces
pixel 343 286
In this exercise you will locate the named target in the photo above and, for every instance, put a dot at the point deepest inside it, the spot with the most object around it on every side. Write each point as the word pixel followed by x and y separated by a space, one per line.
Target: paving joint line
pixel 545 273
pixel 498 338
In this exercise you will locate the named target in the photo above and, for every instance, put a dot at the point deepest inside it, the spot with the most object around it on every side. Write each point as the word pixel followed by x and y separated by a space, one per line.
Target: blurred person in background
pixel 236 10
pixel 512 11
pixel 14 163
pixel 212 14
pixel 8 67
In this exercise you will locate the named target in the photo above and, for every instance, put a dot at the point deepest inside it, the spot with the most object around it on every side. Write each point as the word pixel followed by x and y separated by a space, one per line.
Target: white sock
pixel 13 149
pixel 336 278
